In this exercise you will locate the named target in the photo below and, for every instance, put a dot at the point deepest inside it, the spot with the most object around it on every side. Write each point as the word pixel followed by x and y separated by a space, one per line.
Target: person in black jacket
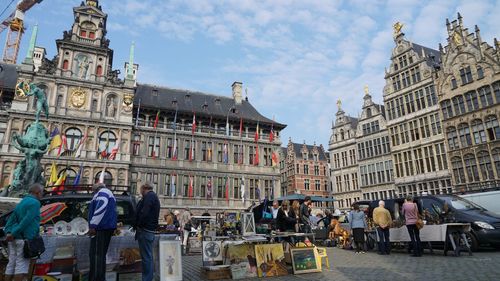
pixel 304 214
pixel 283 221
pixel 146 223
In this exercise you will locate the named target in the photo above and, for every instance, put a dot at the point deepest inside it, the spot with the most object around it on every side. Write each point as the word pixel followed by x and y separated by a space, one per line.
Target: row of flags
pixel 209 189
pixel 58 182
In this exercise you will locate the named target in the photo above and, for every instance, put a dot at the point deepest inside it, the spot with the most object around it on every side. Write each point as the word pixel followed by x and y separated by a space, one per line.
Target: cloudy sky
pixel 296 58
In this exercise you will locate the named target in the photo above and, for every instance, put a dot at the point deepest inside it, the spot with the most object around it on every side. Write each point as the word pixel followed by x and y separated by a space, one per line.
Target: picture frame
pixel 170 260
pixel 212 253
pixel 270 260
pixel 247 224
pixel 304 260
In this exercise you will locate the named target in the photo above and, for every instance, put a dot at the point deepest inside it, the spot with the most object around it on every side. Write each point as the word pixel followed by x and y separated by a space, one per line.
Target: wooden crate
pixel 223 273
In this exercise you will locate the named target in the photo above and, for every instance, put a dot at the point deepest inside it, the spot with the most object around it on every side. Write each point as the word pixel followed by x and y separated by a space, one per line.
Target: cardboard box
pixel 130 276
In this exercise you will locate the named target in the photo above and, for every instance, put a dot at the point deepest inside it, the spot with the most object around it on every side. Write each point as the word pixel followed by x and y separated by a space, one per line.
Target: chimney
pixel 237 96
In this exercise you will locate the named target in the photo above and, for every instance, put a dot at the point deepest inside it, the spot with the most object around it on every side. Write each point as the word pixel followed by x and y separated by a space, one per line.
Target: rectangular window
pixel 220 152
pixel 430 96
pixel 485 96
pixel 316 170
pixel 251 155
pixel 317 184
pixel 306 184
pixel 466 75
pixel 267 157
pixel 154 146
pixel 306 169
pixel 136 146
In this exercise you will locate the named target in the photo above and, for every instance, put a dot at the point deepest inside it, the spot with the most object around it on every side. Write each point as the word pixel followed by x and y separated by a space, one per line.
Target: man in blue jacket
pixel 23 223
pixel 146 223
pixel 102 224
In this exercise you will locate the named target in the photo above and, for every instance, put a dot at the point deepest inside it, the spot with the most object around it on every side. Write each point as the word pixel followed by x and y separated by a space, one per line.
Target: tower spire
pixel 130 70
pixel 31 47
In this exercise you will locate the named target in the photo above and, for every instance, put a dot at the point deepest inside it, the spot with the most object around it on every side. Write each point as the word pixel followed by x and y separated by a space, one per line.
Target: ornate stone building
pixel 304 170
pixel 204 167
pixel 469 94
pixel 343 161
pixel 374 152
pixel 109 124
pixel 88 105
pixel 413 120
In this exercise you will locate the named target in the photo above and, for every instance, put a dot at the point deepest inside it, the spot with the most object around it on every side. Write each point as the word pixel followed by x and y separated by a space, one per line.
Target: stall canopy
pixel 301 197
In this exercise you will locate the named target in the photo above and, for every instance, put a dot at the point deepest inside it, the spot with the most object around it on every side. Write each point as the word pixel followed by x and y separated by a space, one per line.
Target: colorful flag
pixel 157 119
pixel 274 159
pixel 104 152
pixel 59 185
pixel 64 145
pixel 225 153
pixel 172 186
pixel 256 158
pixel 53 174
pixel 209 188
pixel 190 190
pixel 271 134
pixel 56 139
pixel 114 150
pixel 174 154
pixel 101 176
pixel 193 126
pixel 227 189
pixel 257 133
pixel 80 145
pixel 242 189
pixel 79 175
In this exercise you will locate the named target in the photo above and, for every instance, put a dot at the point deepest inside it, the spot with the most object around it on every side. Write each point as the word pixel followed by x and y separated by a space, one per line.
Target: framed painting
pixel 212 253
pixel 270 260
pixel 247 224
pixel 304 260
pixel 242 261
pixel 170 260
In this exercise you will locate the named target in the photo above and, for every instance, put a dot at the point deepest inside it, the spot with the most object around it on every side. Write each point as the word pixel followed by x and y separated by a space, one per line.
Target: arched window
pixel 458 105
pixel 70 176
pixel 464 133
pixel 478 131
pixel 492 128
pixel 496 90
pixel 99 70
pixel 452 138
pixel 471 167
pixel 368 112
pixel 73 137
pixel 471 100
pixel 485 165
pixel 458 169
pixel 342 135
pixel 108 178
pixel 485 96
pixel 65 65
pixel 107 141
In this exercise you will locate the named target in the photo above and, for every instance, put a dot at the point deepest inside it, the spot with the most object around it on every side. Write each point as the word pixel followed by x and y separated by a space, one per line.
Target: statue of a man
pixel 30 89
pixel 83 66
pixel 111 107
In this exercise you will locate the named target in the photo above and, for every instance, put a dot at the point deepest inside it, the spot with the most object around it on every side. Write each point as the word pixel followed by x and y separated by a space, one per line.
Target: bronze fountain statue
pixel 33 144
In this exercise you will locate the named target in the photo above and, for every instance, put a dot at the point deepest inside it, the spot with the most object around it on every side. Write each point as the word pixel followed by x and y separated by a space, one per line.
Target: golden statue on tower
pixel 397 28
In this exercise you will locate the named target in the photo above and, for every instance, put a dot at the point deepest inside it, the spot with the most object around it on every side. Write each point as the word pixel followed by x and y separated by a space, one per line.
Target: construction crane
pixel 14 24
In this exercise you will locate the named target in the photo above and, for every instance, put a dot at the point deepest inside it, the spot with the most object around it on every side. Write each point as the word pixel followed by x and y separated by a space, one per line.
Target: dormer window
pixel 87 30
pixel 154 92
pixel 217 101
pixel 304 155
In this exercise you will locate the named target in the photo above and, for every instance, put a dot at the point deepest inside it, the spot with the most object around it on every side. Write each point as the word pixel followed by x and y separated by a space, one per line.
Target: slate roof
pixel 429 53
pixel 297 148
pixel 204 105
pixel 8 76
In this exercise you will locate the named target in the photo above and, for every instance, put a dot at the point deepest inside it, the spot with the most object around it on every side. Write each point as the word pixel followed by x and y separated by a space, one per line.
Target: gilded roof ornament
pixel 397 28
pixel 339 104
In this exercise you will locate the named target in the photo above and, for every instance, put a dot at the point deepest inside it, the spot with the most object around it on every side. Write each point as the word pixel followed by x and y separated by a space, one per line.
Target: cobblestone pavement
pixel 348 266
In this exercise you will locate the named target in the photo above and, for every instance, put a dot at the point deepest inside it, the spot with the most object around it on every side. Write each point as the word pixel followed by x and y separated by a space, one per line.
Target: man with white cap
pixel 382 219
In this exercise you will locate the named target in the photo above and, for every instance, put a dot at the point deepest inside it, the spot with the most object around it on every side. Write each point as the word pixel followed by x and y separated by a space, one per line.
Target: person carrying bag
pixel 410 211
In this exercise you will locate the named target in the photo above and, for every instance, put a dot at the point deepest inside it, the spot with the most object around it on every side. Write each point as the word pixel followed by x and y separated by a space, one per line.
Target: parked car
pixel 485 225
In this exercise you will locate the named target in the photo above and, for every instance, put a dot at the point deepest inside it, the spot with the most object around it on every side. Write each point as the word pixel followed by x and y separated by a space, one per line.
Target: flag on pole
pixel 53 174
pixel 193 126
pixel 209 188
pixel 59 185
pixel 172 186
pixel 56 139
pixel 257 133
pixel 256 158
pixel 174 154
pixel 190 190
pixel 157 119
pixel 80 145
pixel 137 116
pixel 271 134
pixel 101 176
pixel 64 145
pixel 79 175
pixel 227 189
pixel 242 189
pixel 274 159
pixel 104 152
pixel 225 153
pixel 241 127
pixel 114 150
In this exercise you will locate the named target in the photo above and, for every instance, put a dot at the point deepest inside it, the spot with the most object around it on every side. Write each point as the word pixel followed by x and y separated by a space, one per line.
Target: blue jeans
pixel 384 244
pixel 145 240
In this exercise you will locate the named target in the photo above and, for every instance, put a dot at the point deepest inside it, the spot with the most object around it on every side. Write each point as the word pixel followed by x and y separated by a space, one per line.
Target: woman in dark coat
pixel 283 220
